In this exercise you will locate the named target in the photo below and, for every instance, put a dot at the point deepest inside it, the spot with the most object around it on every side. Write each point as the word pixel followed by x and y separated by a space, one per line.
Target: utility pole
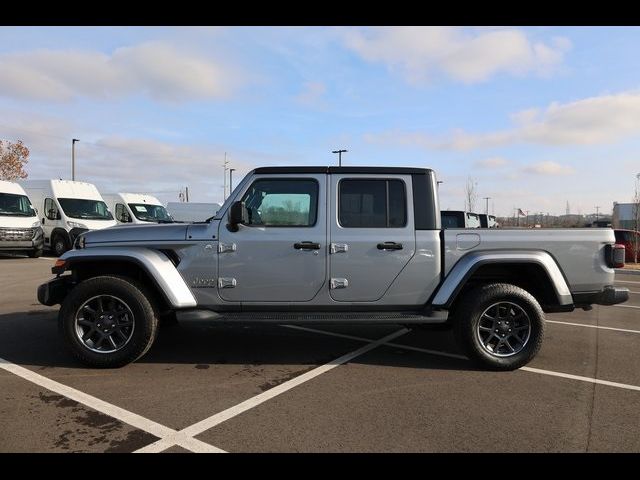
pixel 339 152
pixel 73 158
pixel 186 190
pixel 231 170
pixel 225 165
pixel 487 209
pixel 597 212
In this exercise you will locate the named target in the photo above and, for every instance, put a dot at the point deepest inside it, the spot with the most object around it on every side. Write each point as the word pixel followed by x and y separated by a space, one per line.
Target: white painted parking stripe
pixel 106 408
pixel 581 378
pixel 218 418
pixel 626 281
pixel 600 327
pixel 625 306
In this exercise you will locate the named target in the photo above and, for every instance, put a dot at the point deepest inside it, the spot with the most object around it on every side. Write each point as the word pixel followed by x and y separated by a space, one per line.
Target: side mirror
pixel 238 214
pixel 126 218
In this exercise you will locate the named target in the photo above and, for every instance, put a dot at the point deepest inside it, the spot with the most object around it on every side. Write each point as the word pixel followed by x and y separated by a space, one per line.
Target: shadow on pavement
pixel 31 338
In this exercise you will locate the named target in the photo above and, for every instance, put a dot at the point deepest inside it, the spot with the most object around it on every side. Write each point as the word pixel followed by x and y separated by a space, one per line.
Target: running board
pixel 435 317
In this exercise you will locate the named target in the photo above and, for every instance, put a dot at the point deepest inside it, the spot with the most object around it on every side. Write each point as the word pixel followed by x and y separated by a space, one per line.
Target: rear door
pixel 372 236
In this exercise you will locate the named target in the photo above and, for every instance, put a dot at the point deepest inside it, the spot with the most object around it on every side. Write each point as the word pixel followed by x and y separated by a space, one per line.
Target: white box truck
pixel 192 211
pixel 20 229
pixel 136 208
pixel 67 209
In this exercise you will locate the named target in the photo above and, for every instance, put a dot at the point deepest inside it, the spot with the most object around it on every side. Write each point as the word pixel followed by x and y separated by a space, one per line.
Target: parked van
pixel 136 208
pixel 67 209
pixel 192 211
pixel 488 221
pixel 20 229
pixel 459 219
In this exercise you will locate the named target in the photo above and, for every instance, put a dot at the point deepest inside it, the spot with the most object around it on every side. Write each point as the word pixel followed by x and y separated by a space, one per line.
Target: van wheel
pixel 60 245
pixel 108 321
pixel 35 253
pixel 499 325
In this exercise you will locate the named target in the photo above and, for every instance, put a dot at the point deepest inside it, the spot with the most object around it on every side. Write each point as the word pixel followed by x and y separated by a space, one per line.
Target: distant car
pixel 626 238
pixel 459 219
pixel 488 221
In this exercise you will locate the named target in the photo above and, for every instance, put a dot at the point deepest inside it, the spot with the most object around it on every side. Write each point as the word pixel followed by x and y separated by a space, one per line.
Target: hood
pixel 137 233
pixel 18 221
pixel 92 224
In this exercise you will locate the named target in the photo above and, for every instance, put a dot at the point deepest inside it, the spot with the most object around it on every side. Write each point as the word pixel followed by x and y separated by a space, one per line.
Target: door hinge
pixel 339 283
pixel 339 247
pixel 226 282
pixel 226 247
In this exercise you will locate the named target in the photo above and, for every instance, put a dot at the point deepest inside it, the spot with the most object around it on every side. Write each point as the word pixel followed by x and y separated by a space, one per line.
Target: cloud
pixel 493 162
pixel 312 93
pixel 549 168
pixel 465 55
pixel 156 69
pixel 595 120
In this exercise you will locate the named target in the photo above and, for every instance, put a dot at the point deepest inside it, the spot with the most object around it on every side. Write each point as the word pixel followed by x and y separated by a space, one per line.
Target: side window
pixel 50 209
pixel 282 202
pixel 372 204
pixel 121 213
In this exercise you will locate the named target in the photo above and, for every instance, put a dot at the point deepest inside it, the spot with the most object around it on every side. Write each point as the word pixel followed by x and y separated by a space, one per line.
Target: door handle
pixel 389 246
pixel 306 246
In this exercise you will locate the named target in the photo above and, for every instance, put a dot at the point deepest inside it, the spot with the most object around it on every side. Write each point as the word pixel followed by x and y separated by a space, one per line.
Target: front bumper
pixel 54 291
pixel 609 295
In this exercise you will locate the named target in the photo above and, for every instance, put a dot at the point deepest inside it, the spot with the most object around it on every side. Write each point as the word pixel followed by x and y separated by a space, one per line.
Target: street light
pixel 339 152
pixel 73 158
pixel 487 209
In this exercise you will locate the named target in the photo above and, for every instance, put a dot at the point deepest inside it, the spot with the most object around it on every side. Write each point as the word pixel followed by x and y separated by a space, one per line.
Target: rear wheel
pixel 500 326
pixel 108 321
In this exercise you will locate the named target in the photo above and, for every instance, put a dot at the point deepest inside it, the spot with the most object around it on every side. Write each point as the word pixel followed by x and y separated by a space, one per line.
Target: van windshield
pixel 14 205
pixel 150 213
pixel 87 209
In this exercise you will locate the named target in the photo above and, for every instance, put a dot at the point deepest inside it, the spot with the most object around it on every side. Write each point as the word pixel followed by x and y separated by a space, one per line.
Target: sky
pixel 535 117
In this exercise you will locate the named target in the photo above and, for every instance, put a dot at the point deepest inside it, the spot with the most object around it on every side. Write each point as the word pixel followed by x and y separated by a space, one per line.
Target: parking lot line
pixel 593 326
pixel 626 281
pixel 625 306
pixel 527 369
pixel 125 416
pixel 210 422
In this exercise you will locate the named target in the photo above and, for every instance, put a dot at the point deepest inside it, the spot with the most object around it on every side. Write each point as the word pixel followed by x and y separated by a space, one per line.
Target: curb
pixel 627 271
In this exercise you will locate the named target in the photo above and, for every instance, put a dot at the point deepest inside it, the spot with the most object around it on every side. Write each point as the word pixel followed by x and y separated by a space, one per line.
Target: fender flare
pixel 157 265
pixel 469 264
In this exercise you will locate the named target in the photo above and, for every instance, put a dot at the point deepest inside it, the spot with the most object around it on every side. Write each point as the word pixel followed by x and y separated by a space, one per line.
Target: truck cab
pixel 339 245
pixel 66 209
pixel 20 229
pixel 136 208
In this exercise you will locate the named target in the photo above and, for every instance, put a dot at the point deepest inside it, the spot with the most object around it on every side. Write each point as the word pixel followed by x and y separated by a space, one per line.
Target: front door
pixel 372 235
pixel 280 254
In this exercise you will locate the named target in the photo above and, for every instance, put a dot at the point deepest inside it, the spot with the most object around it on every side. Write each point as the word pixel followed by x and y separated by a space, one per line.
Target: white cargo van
pixel 136 208
pixel 67 209
pixel 192 211
pixel 20 229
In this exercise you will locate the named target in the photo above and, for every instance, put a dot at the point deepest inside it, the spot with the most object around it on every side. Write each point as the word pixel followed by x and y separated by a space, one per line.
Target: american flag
pixel 521 213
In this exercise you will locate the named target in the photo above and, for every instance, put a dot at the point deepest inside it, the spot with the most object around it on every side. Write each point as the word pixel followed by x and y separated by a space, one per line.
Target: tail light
pixel 614 255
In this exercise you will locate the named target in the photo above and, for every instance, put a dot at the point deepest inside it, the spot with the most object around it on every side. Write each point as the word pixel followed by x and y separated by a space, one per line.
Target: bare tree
pixel 470 195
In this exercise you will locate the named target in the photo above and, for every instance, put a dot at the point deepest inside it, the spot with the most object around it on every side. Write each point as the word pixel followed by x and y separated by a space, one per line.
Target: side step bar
pixel 435 317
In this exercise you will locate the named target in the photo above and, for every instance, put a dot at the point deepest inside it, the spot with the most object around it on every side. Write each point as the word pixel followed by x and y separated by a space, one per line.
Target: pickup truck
pixel 322 245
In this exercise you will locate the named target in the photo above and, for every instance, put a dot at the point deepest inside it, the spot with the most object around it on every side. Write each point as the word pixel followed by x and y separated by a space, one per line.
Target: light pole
pixel 339 152
pixel 487 209
pixel 225 165
pixel 73 158
pixel 231 170
pixel 597 212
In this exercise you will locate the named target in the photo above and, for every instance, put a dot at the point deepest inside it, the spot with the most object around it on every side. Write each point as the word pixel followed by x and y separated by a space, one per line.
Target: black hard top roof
pixel 389 170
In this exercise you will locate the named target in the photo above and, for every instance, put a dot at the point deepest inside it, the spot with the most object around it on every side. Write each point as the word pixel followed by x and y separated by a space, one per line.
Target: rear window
pixel 372 204
pixel 622 237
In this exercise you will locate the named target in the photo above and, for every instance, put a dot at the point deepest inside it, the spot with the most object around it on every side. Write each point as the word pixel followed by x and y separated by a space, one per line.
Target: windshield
pixel 87 209
pixel 150 213
pixel 15 205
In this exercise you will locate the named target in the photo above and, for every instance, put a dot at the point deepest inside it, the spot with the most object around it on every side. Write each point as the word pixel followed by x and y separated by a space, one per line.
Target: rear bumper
pixel 609 295
pixel 54 291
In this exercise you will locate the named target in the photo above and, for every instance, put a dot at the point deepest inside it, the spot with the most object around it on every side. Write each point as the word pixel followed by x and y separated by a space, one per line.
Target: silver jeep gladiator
pixel 342 245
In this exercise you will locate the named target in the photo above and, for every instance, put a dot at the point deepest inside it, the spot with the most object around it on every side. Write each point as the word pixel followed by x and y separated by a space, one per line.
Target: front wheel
pixel 60 245
pixel 36 253
pixel 108 321
pixel 500 326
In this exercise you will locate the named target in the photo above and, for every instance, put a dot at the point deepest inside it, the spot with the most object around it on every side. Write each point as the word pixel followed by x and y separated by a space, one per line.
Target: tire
pixel 59 245
pixel 483 339
pixel 35 253
pixel 136 311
